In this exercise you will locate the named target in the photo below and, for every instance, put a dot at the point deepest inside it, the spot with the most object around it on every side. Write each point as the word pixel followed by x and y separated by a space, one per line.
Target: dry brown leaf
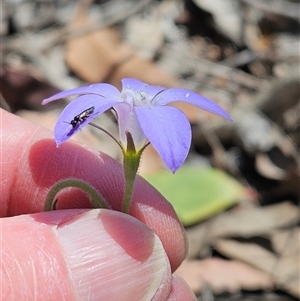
pixel 251 221
pixel 284 270
pixel 223 275
pixel 102 55
pixel 247 252
pixel 95 55
pixel 255 220
pixel 286 242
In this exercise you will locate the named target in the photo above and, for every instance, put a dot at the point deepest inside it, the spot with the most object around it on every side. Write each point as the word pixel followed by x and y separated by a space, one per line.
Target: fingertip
pixel 113 254
pixel 180 290
pixel 100 253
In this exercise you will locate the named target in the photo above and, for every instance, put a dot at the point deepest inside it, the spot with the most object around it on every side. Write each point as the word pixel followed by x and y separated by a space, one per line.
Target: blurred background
pixel 238 192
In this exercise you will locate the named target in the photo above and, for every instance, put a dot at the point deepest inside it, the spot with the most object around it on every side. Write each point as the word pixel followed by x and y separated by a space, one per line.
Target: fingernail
pixel 112 255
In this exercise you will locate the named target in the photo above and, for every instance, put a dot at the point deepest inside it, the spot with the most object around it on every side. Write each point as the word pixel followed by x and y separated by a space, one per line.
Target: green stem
pixel 131 162
pixel 96 199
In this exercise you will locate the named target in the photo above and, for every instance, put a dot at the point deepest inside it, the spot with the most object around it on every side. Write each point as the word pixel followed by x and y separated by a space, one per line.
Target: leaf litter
pixel 252 70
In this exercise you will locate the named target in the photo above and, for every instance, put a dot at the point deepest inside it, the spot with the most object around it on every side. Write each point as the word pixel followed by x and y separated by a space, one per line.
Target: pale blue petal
pixel 104 90
pixel 64 130
pixel 139 86
pixel 169 131
pixel 183 95
pixel 127 121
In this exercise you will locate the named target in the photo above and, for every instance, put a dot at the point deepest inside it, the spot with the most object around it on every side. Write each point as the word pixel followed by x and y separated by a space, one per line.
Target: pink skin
pixel 81 254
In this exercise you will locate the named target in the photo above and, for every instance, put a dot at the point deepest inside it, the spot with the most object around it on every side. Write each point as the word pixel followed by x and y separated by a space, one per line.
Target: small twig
pixel 241 58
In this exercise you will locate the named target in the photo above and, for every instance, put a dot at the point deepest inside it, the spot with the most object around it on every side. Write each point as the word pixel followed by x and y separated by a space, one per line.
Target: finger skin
pixel 31 163
pixel 180 290
pixel 103 261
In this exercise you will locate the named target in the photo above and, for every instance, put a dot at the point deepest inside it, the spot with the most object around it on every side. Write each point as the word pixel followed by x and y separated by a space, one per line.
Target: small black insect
pixel 80 118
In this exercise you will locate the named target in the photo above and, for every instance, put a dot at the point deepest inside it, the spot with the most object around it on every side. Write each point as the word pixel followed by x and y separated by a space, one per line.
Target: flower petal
pixel 105 90
pixel 64 129
pixel 183 95
pixel 139 86
pixel 169 131
pixel 127 121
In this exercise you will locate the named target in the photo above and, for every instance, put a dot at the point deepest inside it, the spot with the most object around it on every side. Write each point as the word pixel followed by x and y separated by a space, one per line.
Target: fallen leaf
pixel 95 55
pixel 284 270
pixel 102 55
pixel 223 275
pixel 251 221
pixel 197 194
pixel 286 242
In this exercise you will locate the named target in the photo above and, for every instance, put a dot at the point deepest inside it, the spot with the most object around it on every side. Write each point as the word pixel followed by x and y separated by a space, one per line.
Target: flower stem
pixel 96 199
pixel 131 162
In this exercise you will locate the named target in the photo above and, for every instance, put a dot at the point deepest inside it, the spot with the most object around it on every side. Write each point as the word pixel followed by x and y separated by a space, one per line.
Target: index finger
pixel 31 164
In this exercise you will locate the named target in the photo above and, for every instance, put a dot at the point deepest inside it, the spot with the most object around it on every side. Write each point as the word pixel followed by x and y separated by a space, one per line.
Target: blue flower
pixel 142 110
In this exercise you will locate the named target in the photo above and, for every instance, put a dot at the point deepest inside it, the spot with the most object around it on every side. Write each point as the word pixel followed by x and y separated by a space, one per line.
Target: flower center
pixel 135 98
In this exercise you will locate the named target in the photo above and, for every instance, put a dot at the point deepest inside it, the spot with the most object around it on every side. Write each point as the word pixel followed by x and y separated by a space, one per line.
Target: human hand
pixel 81 254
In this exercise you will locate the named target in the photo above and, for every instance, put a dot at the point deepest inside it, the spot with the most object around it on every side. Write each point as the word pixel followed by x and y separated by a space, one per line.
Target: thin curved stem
pixel 95 197
pixel 106 132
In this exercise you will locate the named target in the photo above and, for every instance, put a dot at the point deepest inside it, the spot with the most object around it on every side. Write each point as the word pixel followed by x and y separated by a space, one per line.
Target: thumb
pixel 81 255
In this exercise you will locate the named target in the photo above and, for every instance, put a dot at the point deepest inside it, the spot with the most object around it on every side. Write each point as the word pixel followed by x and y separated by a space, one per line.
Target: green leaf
pixel 197 194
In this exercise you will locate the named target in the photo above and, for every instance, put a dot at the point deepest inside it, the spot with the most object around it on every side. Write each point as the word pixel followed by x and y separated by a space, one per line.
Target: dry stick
pixel 241 58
